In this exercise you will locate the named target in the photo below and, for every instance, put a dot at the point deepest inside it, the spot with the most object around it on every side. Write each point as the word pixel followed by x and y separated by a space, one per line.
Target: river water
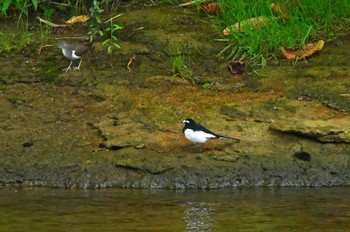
pixel 247 209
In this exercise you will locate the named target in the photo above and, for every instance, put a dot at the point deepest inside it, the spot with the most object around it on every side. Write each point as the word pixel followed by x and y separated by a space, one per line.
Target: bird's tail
pixel 227 137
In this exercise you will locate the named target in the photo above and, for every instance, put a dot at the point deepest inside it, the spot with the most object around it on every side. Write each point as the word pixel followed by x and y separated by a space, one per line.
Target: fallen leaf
pixel 289 53
pixel 307 50
pixel 252 23
pixel 211 8
pixel 132 59
pixel 236 67
pixel 78 19
pixel 278 9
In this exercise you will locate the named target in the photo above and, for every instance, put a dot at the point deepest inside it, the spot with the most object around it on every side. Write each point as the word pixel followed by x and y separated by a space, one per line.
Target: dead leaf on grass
pixel 211 8
pixel 236 67
pixel 307 50
pixel 248 24
pixel 278 9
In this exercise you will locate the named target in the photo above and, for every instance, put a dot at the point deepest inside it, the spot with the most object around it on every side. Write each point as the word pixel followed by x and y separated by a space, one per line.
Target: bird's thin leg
pixel 78 67
pixel 190 145
pixel 66 69
pixel 201 148
pixel 196 147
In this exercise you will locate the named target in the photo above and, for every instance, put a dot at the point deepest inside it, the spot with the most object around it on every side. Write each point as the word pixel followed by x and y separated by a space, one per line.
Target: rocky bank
pixel 107 126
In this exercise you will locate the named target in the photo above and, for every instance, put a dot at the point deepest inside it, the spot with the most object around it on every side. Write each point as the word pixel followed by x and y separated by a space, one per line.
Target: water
pixel 249 209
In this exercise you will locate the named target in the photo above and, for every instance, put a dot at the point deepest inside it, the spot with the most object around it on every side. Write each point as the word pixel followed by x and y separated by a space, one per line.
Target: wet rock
pixel 161 80
pixel 28 144
pixel 133 130
pixel 232 112
pixel 143 165
pixel 227 158
pixel 119 133
pixel 302 155
pixel 330 131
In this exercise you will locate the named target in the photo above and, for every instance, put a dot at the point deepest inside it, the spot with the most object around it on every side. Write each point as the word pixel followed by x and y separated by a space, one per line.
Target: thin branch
pixel 192 3
pixel 113 18
pixel 50 23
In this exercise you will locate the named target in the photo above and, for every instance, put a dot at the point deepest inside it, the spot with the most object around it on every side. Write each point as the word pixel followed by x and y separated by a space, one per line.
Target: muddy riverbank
pixel 109 126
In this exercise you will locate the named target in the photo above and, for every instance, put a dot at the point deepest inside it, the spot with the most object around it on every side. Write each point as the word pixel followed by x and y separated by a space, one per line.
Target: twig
pixel 192 3
pixel 73 37
pixel 43 47
pixel 50 23
pixel 113 18
pixel 59 3
pixel 139 28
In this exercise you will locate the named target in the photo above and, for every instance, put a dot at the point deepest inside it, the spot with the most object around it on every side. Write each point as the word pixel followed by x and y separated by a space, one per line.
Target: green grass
pixel 172 2
pixel 309 21
pixel 180 69
pixel 14 41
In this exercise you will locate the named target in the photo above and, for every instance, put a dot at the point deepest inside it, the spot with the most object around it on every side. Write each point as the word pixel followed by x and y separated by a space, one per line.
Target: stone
pixel 327 131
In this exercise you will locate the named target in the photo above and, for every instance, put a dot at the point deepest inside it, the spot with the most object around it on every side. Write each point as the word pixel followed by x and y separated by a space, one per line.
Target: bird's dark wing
pixel 202 128
pixel 82 48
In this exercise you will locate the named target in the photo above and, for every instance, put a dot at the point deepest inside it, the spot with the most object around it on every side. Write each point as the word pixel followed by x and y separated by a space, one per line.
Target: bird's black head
pixel 188 121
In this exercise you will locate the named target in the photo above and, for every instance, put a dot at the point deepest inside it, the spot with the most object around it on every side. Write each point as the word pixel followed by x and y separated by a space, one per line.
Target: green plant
pixel 96 28
pixel 207 85
pixel 45 29
pixel 111 39
pixel 14 40
pixel 173 2
pixel 110 5
pixel 95 25
pixel 180 68
pixel 306 22
pixel 80 5
pixel 21 5
pixel 6 44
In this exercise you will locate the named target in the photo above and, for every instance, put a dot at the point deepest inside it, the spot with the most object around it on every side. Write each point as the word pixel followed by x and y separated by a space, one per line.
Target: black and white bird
pixel 197 133
pixel 74 51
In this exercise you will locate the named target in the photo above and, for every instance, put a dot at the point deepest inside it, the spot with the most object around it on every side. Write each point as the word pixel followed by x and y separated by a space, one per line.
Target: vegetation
pixel 293 24
pixel 15 40
pixel 180 69
pixel 111 40
pixel 21 5
pixel 27 8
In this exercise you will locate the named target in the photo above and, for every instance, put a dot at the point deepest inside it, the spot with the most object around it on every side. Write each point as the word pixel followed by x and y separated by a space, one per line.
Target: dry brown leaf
pixel 236 67
pixel 307 50
pixel 211 8
pixel 132 59
pixel 78 19
pixel 278 9
pixel 289 53
pixel 252 23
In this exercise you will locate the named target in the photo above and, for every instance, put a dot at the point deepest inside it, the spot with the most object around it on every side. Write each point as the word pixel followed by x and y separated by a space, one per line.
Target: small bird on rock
pixel 197 133
pixel 74 51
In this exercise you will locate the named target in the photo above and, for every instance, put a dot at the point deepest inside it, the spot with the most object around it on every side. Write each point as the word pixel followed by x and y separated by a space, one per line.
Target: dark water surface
pixel 248 209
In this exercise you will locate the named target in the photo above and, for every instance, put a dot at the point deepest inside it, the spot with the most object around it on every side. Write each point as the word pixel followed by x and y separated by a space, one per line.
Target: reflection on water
pixel 198 216
pixel 250 209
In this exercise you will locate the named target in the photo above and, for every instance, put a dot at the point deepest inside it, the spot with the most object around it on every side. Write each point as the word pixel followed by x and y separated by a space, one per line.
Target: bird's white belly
pixel 198 136
pixel 70 55
pixel 75 56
